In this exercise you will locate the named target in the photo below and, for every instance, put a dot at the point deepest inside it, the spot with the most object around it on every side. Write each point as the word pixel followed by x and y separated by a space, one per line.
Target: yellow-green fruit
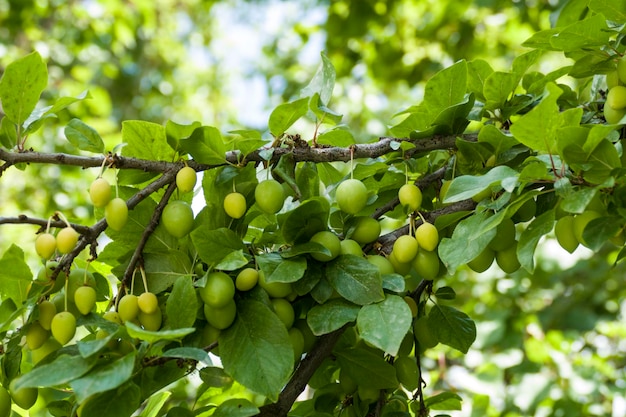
pixel 284 311
pixel 269 196
pixel 44 276
pixel 222 317
pixel 150 321
pixel 128 307
pixel 350 247
pixel 309 337
pixel 424 334
pixel 235 205
pixel 330 241
pixel 209 335
pixel 113 317
pixel 612 79
pixel 50 345
pixel 147 303
pixel 45 245
pixel 351 196
pixel 581 221
pixel 274 289
pixel 616 98
pixel 63 327
pixel 407 372
pixel 613 116
pixel 565 235
pixel 78 278
pixel 410 301
pixel 218 290
pixel 444 190
pixel 483 261
pixel 426 264
pixel 186 179
pixel 410 196
pixel 100 192
pixel 383 264
pixel 507 259
pixel 36 335
pixel 247 279
pixel 25 398
pixel 367 394
pixel 366 230
pixel 297 342
pixel 116 214
pixel 177 218
pixel 5 402
pixel 505 236
pixel 47 310
pixel 402 268
pixel 85 299
pixel 67 239
pixel 427 236
pixel 405 248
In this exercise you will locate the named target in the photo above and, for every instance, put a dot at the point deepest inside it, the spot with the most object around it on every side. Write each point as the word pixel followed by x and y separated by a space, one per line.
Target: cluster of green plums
pixel 615 105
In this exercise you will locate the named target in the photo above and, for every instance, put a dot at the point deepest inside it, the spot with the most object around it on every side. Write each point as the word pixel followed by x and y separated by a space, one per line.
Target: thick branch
pixel 382 147
pixel 24 219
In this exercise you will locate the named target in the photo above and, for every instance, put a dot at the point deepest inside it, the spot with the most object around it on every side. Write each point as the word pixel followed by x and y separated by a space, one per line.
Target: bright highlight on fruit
pixel 63 327
pixel 186 179
pixel 351 196
pixel 67 239
pixel 269 196
pixel 116 214
pixel 45 245
pixel 410 196
pixel 427 236
pixel 235 205
pixel 100 192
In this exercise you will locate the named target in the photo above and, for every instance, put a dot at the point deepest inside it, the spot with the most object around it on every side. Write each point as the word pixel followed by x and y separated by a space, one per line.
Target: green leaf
pixel 214 376
pixel 452 327
pixel 364 364
pixel 163 270
pixel 470 237
pixel 215 245
pixel 300 224
pixel 336 137
pixel 498 87
pixel 38 116
pixel 59 372
pixel 393 282
pixel 446 88
pixel 613 10
pixel 477 72
pixel 577 201
pixel 278 269
pixel 15 275
pixel 330 316
pixel 443 401
pixel 21 86
pixel 322 83
pixel 537 128
pixel 145 140
pixel 188 353
pixel 286 115
pixel 540 226
pixel 583 35
pixel 175 132
pixel 236 407
pixel 600 230
pixel 154 405
pixel 467 186
pixel 256 349
pixel 182 304
pixel 8 133
pixel 445 293
pixel 205 145
pixel 323 113
pixel 385 324
pixel 83 136
pixel 151 337
pixel 355 279
pixel 120 402
pixel 104 378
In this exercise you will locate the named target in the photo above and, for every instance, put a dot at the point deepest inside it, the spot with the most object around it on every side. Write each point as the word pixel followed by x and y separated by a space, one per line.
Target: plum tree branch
pixel 383 146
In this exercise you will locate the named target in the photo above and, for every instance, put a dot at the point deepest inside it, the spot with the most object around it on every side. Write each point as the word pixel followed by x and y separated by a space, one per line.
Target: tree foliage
pixel 343 290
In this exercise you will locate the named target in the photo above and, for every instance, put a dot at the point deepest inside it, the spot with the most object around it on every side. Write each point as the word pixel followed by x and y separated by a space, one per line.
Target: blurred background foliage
pixel 551 344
